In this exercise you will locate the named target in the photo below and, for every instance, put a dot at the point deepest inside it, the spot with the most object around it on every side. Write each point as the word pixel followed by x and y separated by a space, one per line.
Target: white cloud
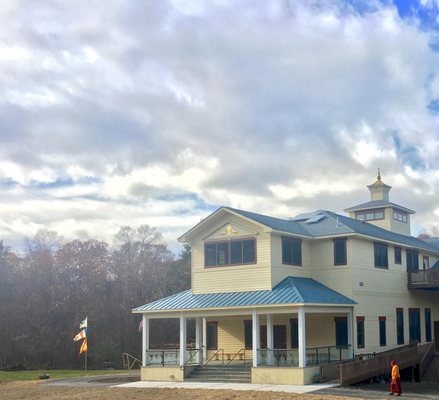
pixel 157 112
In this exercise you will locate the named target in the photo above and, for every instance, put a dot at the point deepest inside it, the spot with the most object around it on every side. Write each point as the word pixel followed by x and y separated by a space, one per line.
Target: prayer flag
pixel 83 324
pixel 80 335
pixel 84 347
pixel 141 325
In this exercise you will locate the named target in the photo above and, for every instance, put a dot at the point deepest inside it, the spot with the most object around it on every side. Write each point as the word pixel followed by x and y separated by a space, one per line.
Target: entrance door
pixel 436 334
pixel 280 336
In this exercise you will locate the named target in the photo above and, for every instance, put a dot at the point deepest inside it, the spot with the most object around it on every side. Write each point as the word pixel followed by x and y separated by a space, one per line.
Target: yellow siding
pixel 379 292
pixel 320 331
pixel 337 277
pixel 232 278
pixel 280 271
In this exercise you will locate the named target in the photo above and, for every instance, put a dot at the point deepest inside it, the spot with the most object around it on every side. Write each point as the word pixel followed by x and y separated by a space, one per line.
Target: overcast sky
pixel 123 112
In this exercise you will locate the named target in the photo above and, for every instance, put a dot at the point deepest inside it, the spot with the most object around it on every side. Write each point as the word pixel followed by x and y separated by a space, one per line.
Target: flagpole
pixel 86 360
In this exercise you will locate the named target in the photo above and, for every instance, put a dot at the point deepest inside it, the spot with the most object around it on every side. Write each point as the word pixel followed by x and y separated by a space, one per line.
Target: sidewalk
pixel 298 389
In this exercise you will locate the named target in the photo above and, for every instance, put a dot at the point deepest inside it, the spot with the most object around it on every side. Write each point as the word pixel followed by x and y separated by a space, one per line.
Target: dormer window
pixel 230 252
pixel 370 215
pixel 400 216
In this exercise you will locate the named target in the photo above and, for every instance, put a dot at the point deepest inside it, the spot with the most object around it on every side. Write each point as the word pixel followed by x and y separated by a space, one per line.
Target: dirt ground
pixel 31 390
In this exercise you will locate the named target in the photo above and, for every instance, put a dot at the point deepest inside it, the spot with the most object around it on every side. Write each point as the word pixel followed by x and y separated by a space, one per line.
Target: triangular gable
pixel 218 215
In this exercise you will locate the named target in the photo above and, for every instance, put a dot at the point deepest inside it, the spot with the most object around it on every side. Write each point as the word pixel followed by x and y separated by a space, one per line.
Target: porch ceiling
pixel 292 290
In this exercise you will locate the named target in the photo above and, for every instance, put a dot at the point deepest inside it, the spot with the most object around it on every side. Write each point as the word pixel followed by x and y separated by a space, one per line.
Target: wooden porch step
pixel 432 373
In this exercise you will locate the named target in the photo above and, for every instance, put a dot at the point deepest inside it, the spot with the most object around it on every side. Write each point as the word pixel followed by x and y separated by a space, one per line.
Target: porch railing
pixel 314 356
pixel 168 356
pixel 359 370
pixel 424 279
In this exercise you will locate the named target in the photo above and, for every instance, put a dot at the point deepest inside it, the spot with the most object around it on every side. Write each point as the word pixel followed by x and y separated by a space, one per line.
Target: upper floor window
pixel 231 252
pixel 340 253
pixel 412 260
pixel 398 258
pixel 425 262
pixel 291 251
pixel 370 215
pixel 380 253
pixel 400 216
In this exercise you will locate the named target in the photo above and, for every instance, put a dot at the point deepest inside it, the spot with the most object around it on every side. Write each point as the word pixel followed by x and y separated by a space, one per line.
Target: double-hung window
pixel 412 260
pixel 398 257
pixel 340 253
pixel 380 255
pixel 291 251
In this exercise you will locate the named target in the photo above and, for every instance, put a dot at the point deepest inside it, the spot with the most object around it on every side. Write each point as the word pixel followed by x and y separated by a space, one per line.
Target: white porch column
pixel 198 339
pixel 302 337
pixel 182 340
pixel 204 338
pixel 270 345
pixel 255 337
pixel 269 332
pixel 145 338
pixel 350 333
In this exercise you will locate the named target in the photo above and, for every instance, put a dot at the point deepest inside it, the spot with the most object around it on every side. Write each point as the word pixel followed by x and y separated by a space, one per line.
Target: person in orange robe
pixel 395 385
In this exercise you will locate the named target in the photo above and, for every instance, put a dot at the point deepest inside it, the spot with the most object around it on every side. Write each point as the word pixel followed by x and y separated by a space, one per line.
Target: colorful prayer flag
pixel 80 335
pixel 84 323
pixel 84 347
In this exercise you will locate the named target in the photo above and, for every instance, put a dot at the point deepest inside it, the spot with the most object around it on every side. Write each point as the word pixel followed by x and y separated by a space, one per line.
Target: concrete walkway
pixel 229 386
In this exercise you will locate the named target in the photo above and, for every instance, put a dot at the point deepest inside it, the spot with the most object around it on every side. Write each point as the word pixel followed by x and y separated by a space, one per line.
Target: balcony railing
pixel 314 356
pixel 424 279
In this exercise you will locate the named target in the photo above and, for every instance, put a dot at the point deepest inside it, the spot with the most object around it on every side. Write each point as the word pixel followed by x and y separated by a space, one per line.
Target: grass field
pixel 9 376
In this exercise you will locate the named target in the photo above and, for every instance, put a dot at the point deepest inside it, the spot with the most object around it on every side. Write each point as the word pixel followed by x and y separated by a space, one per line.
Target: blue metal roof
pixel 279 224
pixel 335 224
pixel 291 290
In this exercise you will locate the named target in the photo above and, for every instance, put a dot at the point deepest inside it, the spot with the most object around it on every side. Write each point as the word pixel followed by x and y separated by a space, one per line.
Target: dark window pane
pixel 341 331
pixel 280 336
pixel 222 254
pixel 400 326
pixel 236 252
pixel 340 251
pixel 383 340
pixel 248 338
pixel 263 336
pixel 427 325
pixel 398 255
pixel 412 260
pixel 287 251
pixel 414 325
pixel 294 333
pixel 210 254
pixel 249 251
pixel 380 252
pixel 291 251
pixel 360 333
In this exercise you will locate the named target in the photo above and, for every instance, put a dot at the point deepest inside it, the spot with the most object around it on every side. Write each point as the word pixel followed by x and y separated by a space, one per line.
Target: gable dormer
pixel 380 211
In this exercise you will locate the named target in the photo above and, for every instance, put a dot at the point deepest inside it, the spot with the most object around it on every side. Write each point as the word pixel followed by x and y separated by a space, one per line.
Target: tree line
pixel 46 291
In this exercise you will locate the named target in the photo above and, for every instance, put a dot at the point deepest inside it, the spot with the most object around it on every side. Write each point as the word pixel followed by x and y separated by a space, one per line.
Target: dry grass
pixel 31 390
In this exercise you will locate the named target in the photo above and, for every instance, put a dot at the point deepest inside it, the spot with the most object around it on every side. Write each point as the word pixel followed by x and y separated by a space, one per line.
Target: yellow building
pixel 286 296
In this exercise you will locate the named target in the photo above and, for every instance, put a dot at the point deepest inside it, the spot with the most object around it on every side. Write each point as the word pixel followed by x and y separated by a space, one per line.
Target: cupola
pixel 380 211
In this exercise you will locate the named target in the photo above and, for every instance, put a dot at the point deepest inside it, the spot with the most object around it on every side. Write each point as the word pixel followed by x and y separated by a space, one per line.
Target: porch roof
pixel 291 290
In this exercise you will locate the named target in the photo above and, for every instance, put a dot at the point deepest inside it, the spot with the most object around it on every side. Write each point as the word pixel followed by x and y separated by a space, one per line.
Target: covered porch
pixel 281 343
